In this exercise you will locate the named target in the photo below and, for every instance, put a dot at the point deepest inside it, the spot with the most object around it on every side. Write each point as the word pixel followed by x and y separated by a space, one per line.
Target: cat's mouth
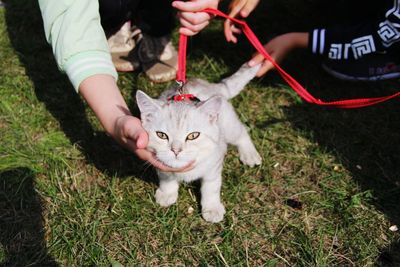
pixel 175 163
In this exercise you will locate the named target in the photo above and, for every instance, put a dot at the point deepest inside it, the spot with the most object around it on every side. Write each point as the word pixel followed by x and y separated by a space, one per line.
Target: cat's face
pixel 180 133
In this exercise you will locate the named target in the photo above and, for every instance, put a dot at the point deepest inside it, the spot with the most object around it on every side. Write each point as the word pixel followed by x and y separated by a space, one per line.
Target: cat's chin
pixel 176 164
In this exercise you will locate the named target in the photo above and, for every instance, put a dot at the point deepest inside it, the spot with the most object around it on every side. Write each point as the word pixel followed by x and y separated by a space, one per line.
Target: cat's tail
pixel 234 84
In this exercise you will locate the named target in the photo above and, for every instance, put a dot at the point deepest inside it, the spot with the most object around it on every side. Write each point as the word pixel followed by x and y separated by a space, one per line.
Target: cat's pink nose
pixel 176 150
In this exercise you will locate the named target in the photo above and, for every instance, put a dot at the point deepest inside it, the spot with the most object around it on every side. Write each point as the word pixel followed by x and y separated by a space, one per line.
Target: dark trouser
pixel 153 17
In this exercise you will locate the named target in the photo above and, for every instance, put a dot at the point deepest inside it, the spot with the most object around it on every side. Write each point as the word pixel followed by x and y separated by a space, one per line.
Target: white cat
pixel 184 131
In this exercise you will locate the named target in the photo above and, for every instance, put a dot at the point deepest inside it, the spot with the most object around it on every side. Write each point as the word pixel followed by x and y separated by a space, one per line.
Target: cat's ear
pixel 212 107
pixel 147 105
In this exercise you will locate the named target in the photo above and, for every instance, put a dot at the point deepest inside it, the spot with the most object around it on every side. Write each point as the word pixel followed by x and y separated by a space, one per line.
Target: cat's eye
pixel 192 136
pixel 162 135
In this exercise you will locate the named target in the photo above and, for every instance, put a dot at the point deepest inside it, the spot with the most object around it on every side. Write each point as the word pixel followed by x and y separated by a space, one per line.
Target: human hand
pixel 191 19
pixel 128 131
pixel 279 48
pixel 238 8
pixel 103 96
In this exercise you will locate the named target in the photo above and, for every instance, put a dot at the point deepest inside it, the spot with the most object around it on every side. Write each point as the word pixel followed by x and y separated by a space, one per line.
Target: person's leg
pixel 157 55
pixel 122 37
pixel 156 17
pixel 154 52
pixel 115 13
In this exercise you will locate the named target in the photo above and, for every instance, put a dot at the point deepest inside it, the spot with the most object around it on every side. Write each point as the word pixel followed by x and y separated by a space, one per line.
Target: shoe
pixel 122 47
pixel 372 67
pixel 158 58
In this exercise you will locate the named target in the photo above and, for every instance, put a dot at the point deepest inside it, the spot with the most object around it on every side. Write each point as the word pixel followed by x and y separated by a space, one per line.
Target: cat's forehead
pixel 180 110
pixel 180 115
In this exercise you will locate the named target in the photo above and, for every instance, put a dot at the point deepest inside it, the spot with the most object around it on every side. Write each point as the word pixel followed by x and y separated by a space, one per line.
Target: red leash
pixel 348 103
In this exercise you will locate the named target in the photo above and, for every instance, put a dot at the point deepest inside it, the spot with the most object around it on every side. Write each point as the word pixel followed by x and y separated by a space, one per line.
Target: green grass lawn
pixel 326 194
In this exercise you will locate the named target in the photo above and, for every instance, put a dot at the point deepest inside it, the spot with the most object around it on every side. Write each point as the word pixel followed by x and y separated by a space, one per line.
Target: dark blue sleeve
pixel 346 42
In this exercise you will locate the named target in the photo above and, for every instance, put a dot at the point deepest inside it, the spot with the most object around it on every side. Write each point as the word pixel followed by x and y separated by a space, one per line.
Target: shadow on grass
pixel 366 143
pixel 25 29
pixel 22 233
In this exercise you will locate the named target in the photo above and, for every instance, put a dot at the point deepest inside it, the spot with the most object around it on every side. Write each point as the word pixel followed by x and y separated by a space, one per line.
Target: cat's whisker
pixel 146 165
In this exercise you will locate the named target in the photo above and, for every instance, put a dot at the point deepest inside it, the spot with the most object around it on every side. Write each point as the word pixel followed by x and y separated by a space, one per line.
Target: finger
pixel 195 18
pixel 185 168
pixel 257 59
pixel 159 165
pixel 188 167
pixel 186 31
pixel 235 7
pixel 248 8
pixel 194 28
pixel 142 139
pixel 189 32
pixel 190 6
pixel 236 30
pixel 228 31
pixel 229 26
pixel 265 67
pixel 131 145
pixel 148 156
pixel 136 133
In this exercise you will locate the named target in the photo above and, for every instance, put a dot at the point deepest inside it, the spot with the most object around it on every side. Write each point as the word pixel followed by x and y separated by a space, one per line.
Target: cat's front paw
pixel 166 199
pixel 213 213
pixel 250 157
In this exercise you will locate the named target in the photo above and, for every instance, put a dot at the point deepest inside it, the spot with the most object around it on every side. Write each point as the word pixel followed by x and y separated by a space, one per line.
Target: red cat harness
pixel 183 97
pixel 182 94
pixel 304 94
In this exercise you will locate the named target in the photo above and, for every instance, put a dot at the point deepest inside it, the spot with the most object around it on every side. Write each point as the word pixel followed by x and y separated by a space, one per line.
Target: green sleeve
pixel 74 31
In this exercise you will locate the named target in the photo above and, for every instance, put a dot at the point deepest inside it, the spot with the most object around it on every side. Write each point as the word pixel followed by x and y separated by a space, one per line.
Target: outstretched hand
pixel 279 48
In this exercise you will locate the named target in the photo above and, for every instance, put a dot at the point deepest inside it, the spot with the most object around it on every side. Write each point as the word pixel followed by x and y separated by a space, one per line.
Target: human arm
pixel 375 34
pixel 192 21
pixel 73 29
pixel 339 42
pixel 279 47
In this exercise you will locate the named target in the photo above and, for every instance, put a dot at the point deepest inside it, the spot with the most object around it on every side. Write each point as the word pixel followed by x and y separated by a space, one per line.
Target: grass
pixel 326 194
